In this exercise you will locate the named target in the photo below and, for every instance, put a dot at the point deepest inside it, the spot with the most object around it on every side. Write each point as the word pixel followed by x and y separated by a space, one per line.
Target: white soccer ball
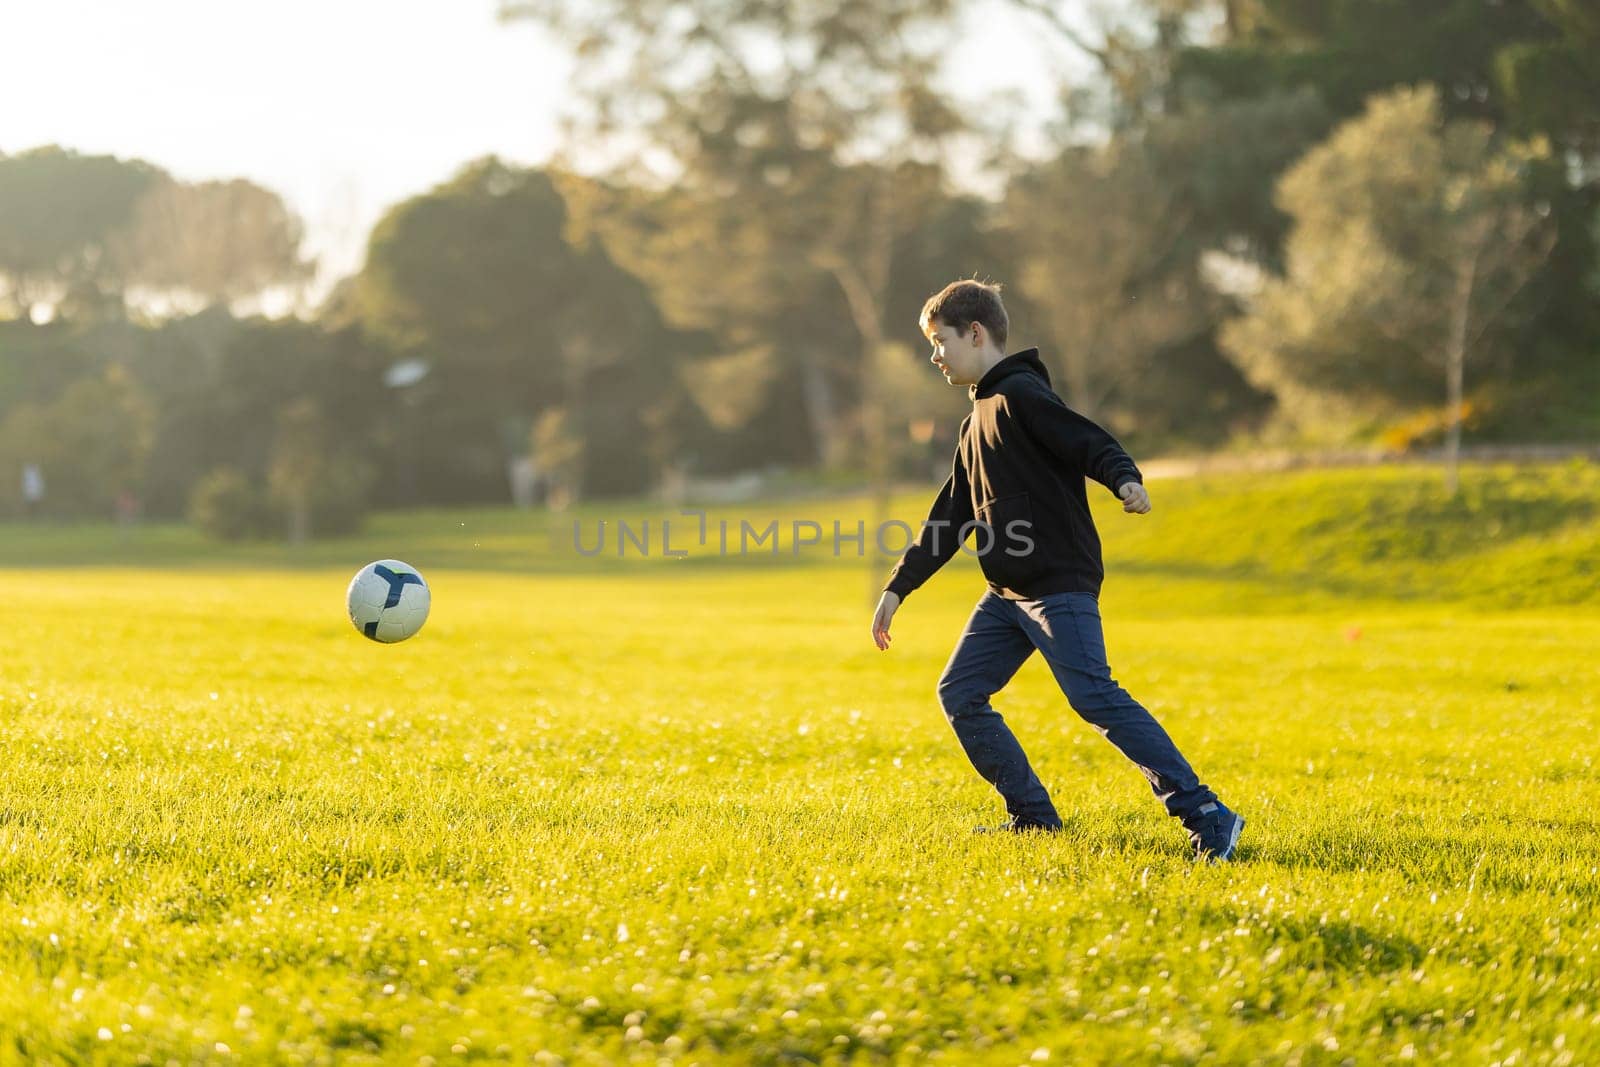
pixel 388 600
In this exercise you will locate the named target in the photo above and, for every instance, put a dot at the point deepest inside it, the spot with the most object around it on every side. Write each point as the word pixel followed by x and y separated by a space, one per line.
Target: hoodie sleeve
pixel 940 537
pixel 1075 441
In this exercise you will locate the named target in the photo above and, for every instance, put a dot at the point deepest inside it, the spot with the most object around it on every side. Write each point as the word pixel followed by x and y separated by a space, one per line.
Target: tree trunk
pixel 1078 390
pixel 873 438
pixel 1455 362
pixel 865 280
pixel 1232 25
pixel 1080 381
pixel 299 518
pixel 576 362
pixel 822 413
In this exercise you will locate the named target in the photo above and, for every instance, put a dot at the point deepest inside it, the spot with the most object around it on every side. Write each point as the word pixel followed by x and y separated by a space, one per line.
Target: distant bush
pixel 335 496
pixel 228 506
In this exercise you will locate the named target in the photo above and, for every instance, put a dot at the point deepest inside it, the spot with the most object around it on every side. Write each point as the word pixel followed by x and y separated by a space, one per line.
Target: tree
pixel 320 487
pixel 787 129
pixel 189 246
pixel 517 312
pixel 78 233
pixel 774 357
pixel 1347 50
pixel 1410 238
pixel 805 134
pixel 237 399
pixel 1099 231
pixel 1117 243
pixel 1551 83
pixel 1136 49
pixel 59 212
pixel 1223 158
pixel 1527 67
pixel 90 441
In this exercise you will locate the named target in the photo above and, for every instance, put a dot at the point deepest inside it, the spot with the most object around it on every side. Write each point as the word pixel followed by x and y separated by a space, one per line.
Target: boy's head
pixel 967 325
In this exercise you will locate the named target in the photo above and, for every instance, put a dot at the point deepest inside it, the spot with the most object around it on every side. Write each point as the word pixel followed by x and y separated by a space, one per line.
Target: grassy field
pixel 626 811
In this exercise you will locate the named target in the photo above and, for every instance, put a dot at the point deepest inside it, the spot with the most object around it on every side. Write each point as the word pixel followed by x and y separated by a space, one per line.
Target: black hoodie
pixel 1017 485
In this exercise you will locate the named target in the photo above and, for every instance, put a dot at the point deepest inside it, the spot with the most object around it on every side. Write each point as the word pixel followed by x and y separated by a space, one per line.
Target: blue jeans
pixel 1065 628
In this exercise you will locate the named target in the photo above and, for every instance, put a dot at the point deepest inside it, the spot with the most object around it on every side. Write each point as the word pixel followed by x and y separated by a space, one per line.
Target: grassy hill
pixel 1513 537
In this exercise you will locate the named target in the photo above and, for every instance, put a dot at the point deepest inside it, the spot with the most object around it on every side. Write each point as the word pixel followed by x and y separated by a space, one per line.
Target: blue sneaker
pixel 1214 832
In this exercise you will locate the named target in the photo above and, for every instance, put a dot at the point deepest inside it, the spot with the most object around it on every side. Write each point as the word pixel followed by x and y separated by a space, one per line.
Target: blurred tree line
pixel 1260 220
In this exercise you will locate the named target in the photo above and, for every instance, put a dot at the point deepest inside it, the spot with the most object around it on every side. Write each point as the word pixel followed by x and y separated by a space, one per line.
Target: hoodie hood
pixel 1025 362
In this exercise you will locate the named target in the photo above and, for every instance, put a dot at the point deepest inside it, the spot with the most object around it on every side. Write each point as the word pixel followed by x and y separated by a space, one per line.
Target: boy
pixel 1018 481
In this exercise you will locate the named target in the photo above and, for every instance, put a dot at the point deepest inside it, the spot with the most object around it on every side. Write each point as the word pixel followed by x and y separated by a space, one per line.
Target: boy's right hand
pixel 887 604
pixel 1135 498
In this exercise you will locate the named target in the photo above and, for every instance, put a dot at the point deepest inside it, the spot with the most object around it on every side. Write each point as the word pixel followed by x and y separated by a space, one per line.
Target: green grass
pixel 625 811
pixel 1514 537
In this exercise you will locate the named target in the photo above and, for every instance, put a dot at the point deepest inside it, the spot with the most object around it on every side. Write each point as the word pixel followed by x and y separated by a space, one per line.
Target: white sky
pixel 342 106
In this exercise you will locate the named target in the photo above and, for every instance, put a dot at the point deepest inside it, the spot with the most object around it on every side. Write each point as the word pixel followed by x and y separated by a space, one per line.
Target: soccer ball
pixel 388 600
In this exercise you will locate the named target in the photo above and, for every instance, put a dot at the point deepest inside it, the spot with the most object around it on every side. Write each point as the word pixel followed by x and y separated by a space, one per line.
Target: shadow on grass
pixel 1527 856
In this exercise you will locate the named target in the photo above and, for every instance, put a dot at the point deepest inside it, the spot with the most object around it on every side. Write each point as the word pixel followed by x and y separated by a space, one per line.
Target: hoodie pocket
pixel 1014 554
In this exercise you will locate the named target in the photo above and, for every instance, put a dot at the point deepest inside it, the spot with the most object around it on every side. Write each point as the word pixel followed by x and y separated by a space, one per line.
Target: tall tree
pixel 1119 241
pixel 321 487
pixel 1153 189
pixel 1411 237
pixel 281 418
pixel 517 314
pixel 90 441
pixel 1528 67
pixel 1101 230
pixel 1135 50
pixel 79 232
pixel 1551 83
pixel 804 133
pixel 59 212
pixel 191 245
pixel 1348 50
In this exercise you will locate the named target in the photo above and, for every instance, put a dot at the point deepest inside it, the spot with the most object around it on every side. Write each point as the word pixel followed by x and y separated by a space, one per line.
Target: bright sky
pixel 342 106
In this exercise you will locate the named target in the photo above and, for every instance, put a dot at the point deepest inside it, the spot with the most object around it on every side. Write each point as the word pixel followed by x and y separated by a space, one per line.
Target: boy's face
pixel 958 353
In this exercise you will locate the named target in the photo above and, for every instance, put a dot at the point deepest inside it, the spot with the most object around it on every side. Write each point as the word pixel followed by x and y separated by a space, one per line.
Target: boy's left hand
pixel 1135 500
